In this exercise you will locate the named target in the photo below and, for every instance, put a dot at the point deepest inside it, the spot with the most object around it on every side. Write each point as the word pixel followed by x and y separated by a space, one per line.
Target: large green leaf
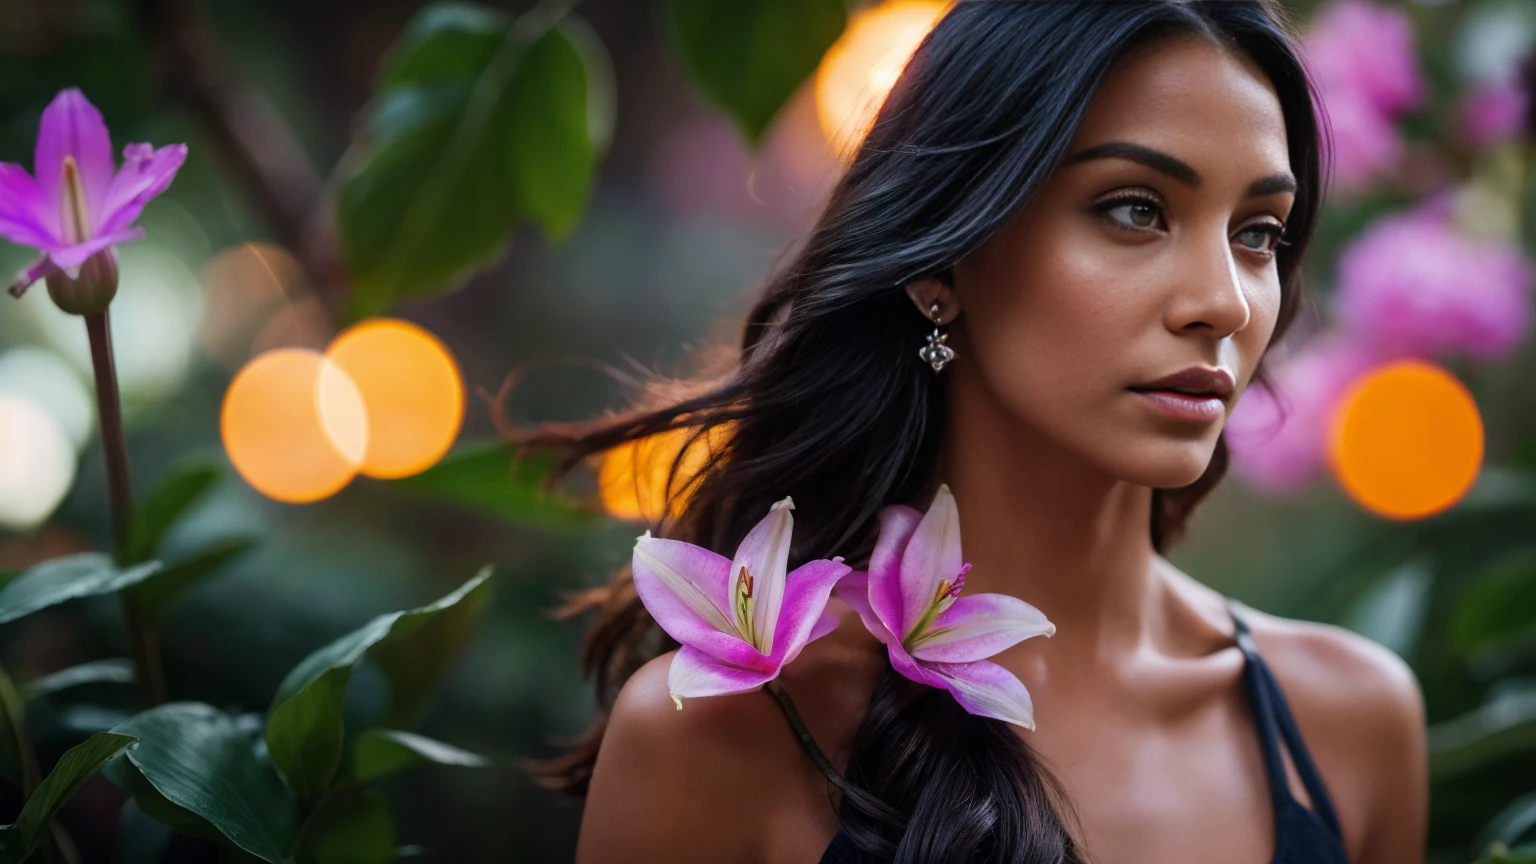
pixel 202 760
pixel 305 729
pixel 130 779
pixel 1505 725
pixel 155 593
pixel 75 767
pixel 114 671
pixel 482 475
pixel 73 576
pixel 1500 607
pixel 177 492
pixel 355 828
pixel 479 122
pixel 749 56
pixel 380 752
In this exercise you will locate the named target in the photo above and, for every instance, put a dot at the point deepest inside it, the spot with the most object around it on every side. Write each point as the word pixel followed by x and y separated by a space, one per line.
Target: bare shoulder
pixel 725 778
pixel 1362 716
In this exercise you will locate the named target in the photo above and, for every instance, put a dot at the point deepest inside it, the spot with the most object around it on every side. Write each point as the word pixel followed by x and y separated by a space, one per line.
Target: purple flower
pixel 1361 58
pixel 910 600
pixel 79 204
pixel 1411 285
pixel 1364 48
pixel 1279 440
pixel 1495 112
pixel 739 620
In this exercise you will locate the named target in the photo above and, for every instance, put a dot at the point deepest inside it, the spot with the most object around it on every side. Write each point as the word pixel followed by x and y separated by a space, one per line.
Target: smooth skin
pixel 1139 700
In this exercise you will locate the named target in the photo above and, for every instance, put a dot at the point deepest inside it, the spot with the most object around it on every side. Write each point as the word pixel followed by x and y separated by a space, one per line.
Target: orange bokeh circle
pixel 1406 440
pixel 632 479
pixel 412 389
pixel 859 70
pixel 294 427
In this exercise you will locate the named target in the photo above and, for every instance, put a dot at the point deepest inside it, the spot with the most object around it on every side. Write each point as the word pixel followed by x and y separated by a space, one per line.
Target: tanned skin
pixel 1139 700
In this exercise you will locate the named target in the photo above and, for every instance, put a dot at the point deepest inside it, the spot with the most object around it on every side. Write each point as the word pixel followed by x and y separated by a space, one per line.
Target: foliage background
pixel 664 259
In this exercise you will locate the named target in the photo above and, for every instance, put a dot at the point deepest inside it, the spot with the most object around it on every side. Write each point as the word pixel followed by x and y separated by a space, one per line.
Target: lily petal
pixel 824 625
pixel 765 554
pixel 806 592
pixel 694 673
pixel 897 523
pixel 682 586
pixel 932 556
pixel 978 626
pixel 146 172
pixel 71 257
pixel 987 689
pixel 30 275
pixel 72 126
pixel 903 663
pixel 853 589
pixel 24 215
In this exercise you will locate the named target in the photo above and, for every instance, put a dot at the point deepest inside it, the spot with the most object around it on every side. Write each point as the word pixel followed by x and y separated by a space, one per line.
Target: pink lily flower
pixel 79 204
pixel 909 598
pixel 740 620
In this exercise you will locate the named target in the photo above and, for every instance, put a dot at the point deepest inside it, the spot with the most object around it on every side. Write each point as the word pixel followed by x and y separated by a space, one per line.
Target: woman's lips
pixel 1185 407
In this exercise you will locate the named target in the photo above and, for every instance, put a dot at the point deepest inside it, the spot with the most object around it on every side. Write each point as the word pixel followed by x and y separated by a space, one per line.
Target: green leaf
pixel 18 761
pixel 78 763
pixel 1512 823
pixel 130 779
pixel 478 123
pixel 1503 726
pixel 201 760
pixel 413 665
pixel 482 476
pixel 1500 607
pixel 177 492
pixel 748 57
pixel 379 752
pixel 53 582
pixel 115 671
pixel 356 828
pixel 304 733
pixel 305 729
pixel 155 593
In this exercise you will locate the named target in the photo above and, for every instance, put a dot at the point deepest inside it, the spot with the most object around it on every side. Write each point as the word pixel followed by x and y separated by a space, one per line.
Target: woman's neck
pixel 1039 523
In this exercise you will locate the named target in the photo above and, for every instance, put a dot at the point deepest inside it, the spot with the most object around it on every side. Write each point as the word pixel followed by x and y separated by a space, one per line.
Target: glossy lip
pixel 1207 404
pixel 1202 380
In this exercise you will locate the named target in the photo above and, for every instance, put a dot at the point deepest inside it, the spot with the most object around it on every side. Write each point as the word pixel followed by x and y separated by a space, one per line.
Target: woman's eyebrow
pixel 1179 170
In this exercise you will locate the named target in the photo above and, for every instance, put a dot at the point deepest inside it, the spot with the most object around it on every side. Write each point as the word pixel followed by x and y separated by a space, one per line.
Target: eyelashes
pixel 1275 231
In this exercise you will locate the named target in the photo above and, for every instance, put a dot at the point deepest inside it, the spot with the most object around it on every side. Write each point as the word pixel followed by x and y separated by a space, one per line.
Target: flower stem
pixel 817 756
pixel 114 445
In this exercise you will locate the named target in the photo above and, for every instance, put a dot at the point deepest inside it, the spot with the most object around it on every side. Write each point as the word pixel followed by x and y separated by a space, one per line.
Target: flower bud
pixel 90 291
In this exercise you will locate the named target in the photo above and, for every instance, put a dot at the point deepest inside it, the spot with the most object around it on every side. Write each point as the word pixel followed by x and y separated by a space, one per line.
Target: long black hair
pixel 828 401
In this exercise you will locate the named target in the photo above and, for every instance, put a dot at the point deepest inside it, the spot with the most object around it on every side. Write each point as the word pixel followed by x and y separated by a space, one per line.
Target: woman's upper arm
pixel 673 785
pixel 1395 714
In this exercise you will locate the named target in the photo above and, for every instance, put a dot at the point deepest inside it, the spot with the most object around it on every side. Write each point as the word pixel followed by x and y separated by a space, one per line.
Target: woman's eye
pixel 1263 237
pixel 1140 213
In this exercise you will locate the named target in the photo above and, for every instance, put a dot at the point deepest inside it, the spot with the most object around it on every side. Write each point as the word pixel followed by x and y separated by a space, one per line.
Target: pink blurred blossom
pixel 1411 285
pixel 1495 112
pixel 1361 58
pixel 1366 48
pixel 1279 440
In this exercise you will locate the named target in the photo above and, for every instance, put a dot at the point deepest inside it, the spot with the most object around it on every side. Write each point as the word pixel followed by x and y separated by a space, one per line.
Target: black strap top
pixel 1302 835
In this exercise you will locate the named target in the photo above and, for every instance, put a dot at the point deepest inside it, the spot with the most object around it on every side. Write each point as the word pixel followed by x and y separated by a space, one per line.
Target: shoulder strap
pixel 1272 715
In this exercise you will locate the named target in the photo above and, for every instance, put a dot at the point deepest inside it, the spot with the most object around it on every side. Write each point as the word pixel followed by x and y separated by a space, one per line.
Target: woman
pixel 1082 199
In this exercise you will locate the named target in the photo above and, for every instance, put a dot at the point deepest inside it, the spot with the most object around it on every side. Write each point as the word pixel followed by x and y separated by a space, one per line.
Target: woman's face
pixel 1149 252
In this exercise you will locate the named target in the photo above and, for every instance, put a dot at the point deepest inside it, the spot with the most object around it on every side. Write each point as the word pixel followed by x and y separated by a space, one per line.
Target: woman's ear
pixel 935 289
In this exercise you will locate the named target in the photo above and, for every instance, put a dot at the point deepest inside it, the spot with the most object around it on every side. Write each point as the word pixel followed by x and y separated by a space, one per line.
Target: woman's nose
pixel 1211 296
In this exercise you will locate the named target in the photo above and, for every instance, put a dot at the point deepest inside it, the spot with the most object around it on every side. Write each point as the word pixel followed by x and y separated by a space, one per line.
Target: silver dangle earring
pixel 935 353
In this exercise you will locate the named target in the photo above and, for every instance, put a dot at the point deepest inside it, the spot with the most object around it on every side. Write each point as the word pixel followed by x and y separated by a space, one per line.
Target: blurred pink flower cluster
pixel 1410 286
pixel 1360 56
pixel 1496 112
